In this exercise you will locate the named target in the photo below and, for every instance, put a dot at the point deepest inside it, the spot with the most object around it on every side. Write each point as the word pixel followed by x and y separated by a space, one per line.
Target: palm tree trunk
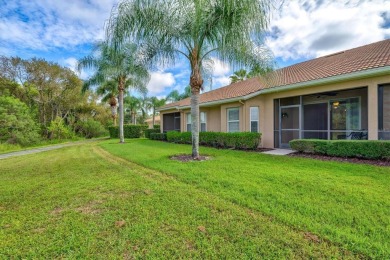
pixel 196 82
pixel 121 115
pixel 195 123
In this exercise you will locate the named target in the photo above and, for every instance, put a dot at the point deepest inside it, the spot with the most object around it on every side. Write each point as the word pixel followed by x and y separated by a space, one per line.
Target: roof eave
pixel 339 78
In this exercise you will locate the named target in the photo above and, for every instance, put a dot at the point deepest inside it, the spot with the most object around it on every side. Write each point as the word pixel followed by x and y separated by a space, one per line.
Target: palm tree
pixel 109 91
pixel 134 105
pixel 175 96
pixel 156 103
pixel 119 64
pixel 197 30
pixel 238 76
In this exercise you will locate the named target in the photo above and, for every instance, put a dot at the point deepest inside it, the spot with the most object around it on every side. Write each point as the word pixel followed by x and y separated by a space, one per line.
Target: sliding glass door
pixel 345 119
pixel 290 124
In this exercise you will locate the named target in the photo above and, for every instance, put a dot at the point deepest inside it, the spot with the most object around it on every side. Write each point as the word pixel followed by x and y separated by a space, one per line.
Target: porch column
pixel 372 112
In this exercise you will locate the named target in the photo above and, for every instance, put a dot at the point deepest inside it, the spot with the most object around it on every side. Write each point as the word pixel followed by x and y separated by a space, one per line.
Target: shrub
pixel 150 131
pixel 178 137
pixel 242 140
pixel 156 127
pixel 58 129
pixel 158 136
pixel 91 128
pixel 17 125
pixel 129 131
pixel 344 148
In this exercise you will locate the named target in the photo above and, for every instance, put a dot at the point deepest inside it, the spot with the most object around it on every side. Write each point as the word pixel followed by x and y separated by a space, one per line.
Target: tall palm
pixel 197 30
pixel 156 103
pixel 120 64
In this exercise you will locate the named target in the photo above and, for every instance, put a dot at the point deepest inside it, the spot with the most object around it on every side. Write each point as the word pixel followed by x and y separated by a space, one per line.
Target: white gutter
pixel 344 77
pixel 324 81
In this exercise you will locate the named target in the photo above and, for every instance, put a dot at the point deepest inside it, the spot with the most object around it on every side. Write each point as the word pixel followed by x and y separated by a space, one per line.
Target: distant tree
pixel 120 64
pixel 156 103
pixel 133 104
pixel 196 31
pixel 238 76
pixel 175 96
pixel 108 90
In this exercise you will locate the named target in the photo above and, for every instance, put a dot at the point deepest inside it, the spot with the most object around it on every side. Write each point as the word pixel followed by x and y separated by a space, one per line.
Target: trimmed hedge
pixel 344 148
pixel 158 136
pixel 130 131
pixel 150 131
pixel 241 140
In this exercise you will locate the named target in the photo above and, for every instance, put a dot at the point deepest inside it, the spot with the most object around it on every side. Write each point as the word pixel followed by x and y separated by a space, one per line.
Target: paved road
pixel 44 149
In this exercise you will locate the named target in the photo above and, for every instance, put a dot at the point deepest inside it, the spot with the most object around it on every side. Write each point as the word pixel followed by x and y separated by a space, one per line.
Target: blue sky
pixel 64 31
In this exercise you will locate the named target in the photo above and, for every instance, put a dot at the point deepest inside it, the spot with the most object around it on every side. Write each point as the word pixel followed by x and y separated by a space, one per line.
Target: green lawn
pixel 83 202
pixel 345 204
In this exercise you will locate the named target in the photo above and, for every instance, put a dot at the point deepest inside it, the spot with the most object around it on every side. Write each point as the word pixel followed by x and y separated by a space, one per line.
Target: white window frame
pixel 188 119
pixel 232 121
pixel 258 119
pixel 205 121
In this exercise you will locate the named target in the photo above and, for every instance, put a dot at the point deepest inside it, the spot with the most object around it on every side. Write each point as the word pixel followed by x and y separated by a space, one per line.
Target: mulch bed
pixel 188 158
pixel 341 159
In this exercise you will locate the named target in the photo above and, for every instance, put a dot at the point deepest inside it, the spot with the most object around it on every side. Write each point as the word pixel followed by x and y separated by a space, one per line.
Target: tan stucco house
pixel 345 95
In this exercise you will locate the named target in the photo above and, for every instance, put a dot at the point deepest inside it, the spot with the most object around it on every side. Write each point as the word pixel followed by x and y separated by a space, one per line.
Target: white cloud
pixel 310 28
pixel 71 63
pixel 222 81
pixel 159 81
pixel 45 24
pixel 219 68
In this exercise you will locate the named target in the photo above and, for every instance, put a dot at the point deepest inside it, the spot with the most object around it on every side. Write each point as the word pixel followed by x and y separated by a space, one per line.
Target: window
pixel 254 119
pixel 189 122
pixel 203 122
pixel 384 115
pixel 233 119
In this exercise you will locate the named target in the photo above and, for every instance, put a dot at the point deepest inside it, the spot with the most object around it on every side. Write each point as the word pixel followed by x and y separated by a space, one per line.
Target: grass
pixel 7 148
pixel 346 204
pixel 131 201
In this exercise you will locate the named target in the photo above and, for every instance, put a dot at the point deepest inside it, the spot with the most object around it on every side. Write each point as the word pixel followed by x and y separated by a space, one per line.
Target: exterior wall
pixel 372 87
pixel 223 115
pixel 217 115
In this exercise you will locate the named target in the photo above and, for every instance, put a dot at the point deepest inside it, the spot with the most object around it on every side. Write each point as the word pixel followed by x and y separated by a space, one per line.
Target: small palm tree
pixel 195 30
pixel 119 64
pixel 109 91
pixel 156 103
pixel 134 105
pixel 238 76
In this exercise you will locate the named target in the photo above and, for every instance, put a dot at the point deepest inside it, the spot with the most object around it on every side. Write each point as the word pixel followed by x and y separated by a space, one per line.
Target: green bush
pixel 156 127
pixel 242 140
pixel 129 131
pixel 178 137
pixel 17 125
pixel 344 148
pixel 58 129
pixel 150 131
pixel 158 136
pixel 90 128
